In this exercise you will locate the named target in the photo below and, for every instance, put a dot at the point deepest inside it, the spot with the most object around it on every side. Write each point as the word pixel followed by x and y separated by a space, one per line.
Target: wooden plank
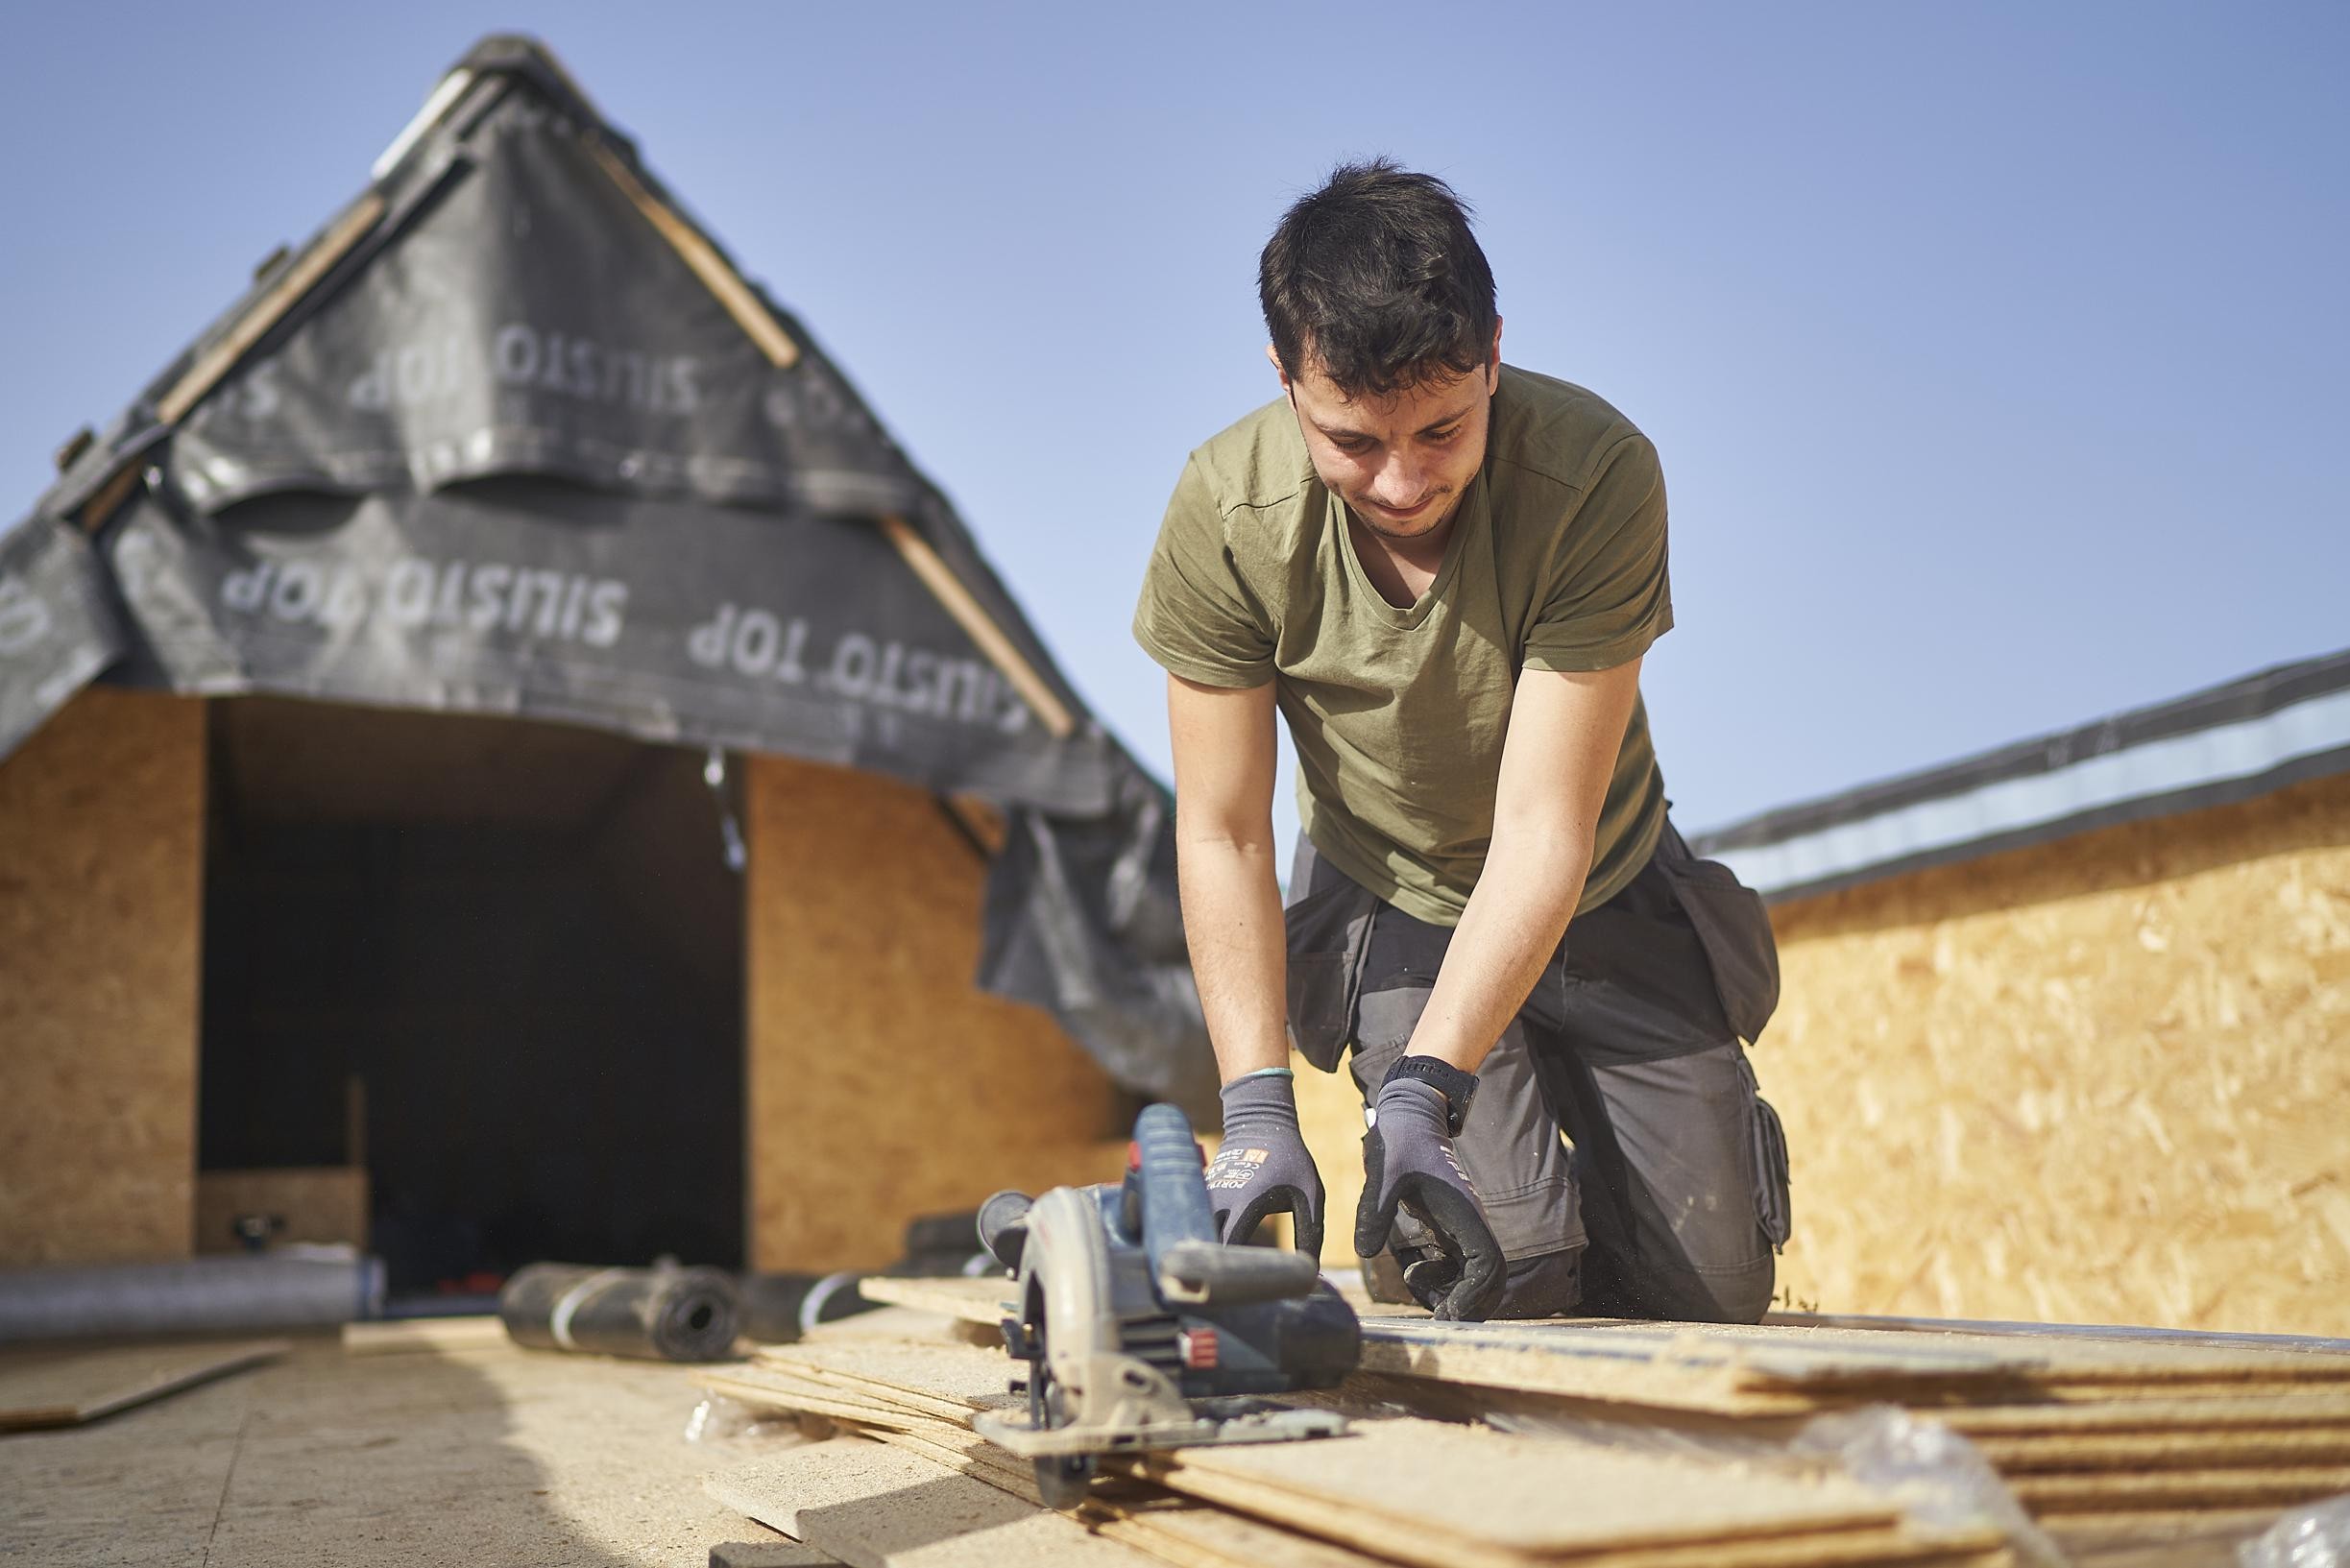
pixel 954 1379
pixel 1759 1371
pixel 68 1391
pixel 957 600
pixel 2220 1449
pixel 1189 1532
pixel 986 1300
pixel 2274 1486
pixel 2200 1339
pixel 437 1335
pixel 750 313
pixel 1436 1494
pixel 265 312
pixel 920 1391
pixel 2296 1408
pixel 873 1506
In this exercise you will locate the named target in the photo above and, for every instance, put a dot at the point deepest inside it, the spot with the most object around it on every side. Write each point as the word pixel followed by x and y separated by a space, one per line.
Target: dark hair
pixel 1377 281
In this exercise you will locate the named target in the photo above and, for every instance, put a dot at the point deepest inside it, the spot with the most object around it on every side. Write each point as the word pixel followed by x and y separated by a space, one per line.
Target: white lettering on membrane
pixel 531 358
pixel 888 674
pixel 480 596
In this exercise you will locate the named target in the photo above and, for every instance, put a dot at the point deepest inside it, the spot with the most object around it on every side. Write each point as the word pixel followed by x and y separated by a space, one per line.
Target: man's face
pixel 1400 463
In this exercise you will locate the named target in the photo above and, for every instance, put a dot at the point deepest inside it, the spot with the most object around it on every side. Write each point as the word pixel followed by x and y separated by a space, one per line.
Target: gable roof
pixel 511 434
pixel 2214 747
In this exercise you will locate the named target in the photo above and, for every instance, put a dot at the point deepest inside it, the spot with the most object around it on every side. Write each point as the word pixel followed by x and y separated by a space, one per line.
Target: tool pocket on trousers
pixel 1326 932
pixel 1773 1208
pixel 1734 927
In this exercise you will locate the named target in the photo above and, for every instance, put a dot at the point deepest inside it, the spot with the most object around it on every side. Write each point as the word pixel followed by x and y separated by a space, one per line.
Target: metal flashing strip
pixel 2245 750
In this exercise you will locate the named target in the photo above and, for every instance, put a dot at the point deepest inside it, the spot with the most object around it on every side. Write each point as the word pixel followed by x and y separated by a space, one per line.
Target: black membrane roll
pixel 676 1315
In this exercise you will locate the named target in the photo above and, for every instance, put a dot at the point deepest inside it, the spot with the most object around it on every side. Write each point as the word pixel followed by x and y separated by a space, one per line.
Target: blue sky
pixel 1995 352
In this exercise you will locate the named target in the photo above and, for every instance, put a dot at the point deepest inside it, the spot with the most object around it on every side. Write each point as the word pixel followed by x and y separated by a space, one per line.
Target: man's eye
pixel 1352 445
pixel 1441 437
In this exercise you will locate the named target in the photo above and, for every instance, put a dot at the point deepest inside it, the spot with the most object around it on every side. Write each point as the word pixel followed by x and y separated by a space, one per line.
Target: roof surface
pixel 2213 747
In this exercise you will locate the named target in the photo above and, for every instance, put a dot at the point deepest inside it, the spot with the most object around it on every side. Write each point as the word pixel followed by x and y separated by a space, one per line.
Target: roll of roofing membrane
pixel 676 1315
pixel 778 1309
pixel 266 1291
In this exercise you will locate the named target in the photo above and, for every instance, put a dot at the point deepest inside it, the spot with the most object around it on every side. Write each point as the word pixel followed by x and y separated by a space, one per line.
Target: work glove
pixel 1263 1167
pixel 1408 1163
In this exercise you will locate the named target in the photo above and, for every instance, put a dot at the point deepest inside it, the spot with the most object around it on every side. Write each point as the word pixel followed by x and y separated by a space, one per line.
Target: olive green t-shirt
pixel 1556 562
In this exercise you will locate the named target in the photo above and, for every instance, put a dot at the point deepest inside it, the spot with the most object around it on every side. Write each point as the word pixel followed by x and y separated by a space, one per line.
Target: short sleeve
pixel 1605 595
pixel 1195 617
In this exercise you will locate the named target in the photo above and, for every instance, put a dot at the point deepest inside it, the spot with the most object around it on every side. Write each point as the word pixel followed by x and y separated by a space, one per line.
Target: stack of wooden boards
pixel 2102 1440
pixel 916 1486
pixel 2114 1443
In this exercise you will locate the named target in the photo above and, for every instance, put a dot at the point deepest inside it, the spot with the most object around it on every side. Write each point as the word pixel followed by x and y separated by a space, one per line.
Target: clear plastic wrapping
pixel 2315 1537
pixel 719 1419
pixel 1939 1475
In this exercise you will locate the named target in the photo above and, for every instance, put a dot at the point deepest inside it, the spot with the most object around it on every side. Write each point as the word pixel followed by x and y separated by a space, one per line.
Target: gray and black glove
pixel 1262 1167
pixel 1408 1163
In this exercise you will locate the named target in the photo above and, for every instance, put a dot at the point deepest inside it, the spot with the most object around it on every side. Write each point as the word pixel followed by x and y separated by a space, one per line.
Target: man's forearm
pixel 1232 926
pixel 1516 915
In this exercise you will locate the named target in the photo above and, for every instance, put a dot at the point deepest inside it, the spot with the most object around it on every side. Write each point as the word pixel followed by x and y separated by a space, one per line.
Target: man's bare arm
pixel 1556 764
pixel 1224 762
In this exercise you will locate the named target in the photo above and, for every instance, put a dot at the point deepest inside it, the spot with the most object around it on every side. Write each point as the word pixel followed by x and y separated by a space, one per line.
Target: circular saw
pixel 1143 1332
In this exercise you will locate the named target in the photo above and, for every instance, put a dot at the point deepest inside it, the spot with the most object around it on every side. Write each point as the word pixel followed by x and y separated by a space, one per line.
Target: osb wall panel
pixel 883 1084
pixel 2101 1080
pixel 101 890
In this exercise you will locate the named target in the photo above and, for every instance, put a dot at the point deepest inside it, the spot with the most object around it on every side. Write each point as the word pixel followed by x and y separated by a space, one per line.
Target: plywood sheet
pixel 861 907
pixel 1735 1369
pixel 2266 1486
pixel 417 1461
pixel 100 897
pixel 877 1507
pixel 898 1396
pixel 2207 1449
pixel 39 1391
pixel 2092 1081
pixel 431 1336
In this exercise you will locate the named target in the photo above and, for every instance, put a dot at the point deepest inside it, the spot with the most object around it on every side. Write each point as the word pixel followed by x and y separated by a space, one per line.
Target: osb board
pixel 52 1390
pixel 2097 1080
pixel 1448 1516
pixel 878 1506
pixel 101 894
pixel 425 1336
pixel 1330 1115
pixel 883 1084
pixel 1779 1369
pixel 2220 1448
pixel 407 1462
pixel 318 1203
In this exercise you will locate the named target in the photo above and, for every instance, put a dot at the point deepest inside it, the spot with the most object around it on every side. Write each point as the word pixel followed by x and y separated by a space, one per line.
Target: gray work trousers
pixel 1674 1195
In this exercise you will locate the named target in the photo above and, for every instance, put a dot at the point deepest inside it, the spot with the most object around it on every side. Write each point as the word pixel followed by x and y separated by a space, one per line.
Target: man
pixel 1443 572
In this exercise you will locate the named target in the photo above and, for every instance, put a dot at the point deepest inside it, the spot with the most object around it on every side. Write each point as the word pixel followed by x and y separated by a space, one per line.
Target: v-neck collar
pixel 1468 519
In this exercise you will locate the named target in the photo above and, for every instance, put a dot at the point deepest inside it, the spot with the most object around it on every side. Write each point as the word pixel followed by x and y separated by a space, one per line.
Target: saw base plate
pixel 1259 1424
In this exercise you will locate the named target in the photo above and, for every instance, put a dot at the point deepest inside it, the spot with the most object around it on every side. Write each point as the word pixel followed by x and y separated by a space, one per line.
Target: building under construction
pixel 502 759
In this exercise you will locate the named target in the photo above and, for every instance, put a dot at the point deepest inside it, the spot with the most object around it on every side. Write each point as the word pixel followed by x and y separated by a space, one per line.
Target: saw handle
pixel 1178 1229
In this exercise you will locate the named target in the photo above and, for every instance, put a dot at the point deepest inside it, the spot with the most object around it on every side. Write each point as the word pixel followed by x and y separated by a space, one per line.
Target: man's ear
pixel 1493 368
pixel 1278 369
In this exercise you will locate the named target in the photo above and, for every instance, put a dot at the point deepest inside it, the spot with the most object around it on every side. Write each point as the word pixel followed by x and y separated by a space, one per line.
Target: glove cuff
pixel 1260 1102
pixel 1456 1087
